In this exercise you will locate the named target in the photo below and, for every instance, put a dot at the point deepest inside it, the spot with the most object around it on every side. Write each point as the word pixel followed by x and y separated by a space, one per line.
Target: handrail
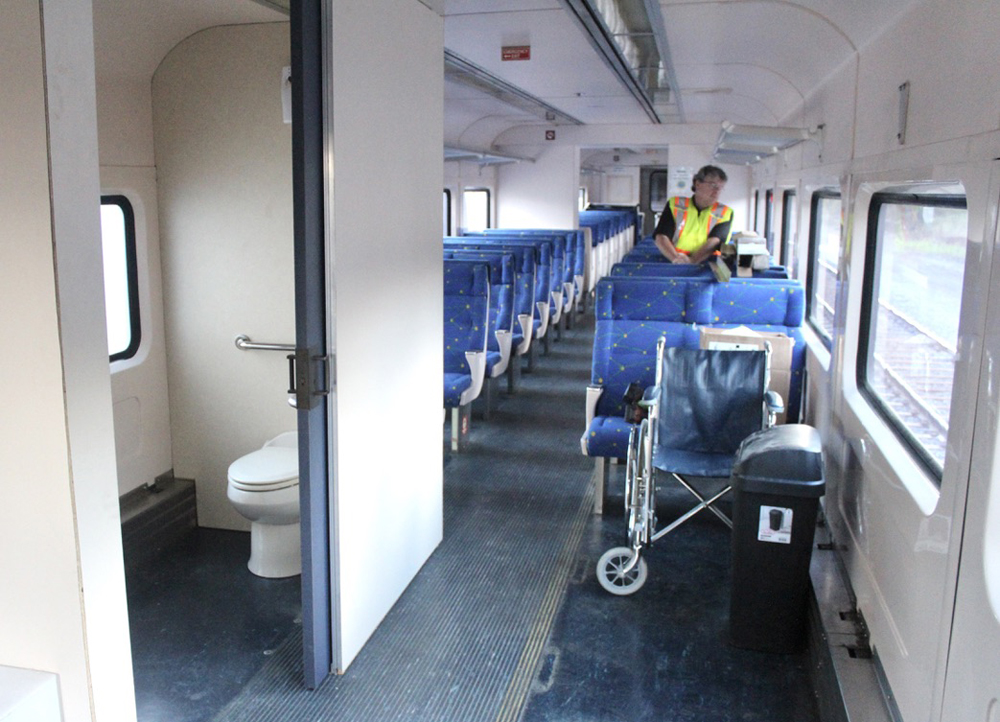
pixel 244 343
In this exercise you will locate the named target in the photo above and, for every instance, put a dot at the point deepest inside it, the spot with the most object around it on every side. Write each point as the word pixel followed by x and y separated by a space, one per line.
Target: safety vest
pixel 693 227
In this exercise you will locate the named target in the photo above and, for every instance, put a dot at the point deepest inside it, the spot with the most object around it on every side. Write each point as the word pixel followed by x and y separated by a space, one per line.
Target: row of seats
pixel 611 235
pixel 507 293
pixel 633 311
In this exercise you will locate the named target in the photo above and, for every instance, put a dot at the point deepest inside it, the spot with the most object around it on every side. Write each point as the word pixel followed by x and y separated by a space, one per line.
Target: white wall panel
pixel 223 158
pixel 387 92
pixel 542 194
pixel 139 384
pixel 63 606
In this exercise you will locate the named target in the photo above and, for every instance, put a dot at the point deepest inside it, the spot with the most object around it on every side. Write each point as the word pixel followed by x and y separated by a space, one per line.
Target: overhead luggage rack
pixel 746 144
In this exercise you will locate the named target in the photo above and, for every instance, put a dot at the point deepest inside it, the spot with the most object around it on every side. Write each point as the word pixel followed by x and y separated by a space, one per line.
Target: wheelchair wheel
pixel 611 576
pixel 631 467
pixel 640 509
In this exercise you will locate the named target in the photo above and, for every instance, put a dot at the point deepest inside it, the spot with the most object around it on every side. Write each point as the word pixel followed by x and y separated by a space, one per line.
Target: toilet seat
pixel 267 469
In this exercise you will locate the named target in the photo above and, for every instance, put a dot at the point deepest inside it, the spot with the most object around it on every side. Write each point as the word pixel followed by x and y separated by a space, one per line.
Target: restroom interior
pixel 192 129
pixel 199 145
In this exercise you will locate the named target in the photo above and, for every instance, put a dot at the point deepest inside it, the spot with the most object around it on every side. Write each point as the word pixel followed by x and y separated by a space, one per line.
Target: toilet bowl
pixel 264 488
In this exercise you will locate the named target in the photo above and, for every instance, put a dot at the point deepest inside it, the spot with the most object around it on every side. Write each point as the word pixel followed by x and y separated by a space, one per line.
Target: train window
pixel 788 218
pixel 821 274
pixel 446 217
pixel 768 219
pixel 659 189
pixel 582 199
pixel 756 204
pixel 121 289
pixel 914 271
pixel 476 209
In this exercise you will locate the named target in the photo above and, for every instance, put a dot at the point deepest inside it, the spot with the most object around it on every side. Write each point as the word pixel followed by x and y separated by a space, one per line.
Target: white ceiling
pixel 743 61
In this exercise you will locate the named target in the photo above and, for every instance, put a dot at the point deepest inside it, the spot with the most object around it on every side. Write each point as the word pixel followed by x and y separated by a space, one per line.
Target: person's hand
pixel 682 258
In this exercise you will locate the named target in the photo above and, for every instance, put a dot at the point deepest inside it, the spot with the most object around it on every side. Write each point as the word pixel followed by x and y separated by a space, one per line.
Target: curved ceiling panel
pixel 131 37
pixel 759 95
pixel 859 20
pixel 754 33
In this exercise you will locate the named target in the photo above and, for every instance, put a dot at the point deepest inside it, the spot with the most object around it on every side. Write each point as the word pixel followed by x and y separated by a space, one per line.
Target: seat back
pixel 501 287
pixel 550 261
pixel 466 312
pixel 524 268
pixel 631 316
pixel 709 401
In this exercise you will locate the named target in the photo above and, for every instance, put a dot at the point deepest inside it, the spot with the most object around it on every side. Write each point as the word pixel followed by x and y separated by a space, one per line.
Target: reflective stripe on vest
pixel 691 230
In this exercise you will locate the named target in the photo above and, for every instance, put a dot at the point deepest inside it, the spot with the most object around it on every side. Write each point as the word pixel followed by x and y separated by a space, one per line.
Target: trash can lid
pixel 785 459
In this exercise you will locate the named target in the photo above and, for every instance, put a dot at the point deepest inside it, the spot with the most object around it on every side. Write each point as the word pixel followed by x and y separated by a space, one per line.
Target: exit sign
pixel 515 52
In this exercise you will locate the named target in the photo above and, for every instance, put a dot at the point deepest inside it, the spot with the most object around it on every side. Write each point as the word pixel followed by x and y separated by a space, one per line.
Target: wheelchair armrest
pixel 775 405
pixel 650 396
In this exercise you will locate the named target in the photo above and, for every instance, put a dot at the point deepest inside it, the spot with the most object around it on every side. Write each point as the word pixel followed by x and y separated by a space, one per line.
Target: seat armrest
pixel 543 314
pixel 568 290
pixel 593 396
pixel 524 319
pixel 556 304
pixel 504 339
pixel 477 369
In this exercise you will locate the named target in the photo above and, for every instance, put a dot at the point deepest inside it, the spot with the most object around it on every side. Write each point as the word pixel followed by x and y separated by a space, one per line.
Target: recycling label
pixel 775 525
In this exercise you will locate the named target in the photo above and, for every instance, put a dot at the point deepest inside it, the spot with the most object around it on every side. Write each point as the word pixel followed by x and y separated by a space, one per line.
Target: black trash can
pixel 777 481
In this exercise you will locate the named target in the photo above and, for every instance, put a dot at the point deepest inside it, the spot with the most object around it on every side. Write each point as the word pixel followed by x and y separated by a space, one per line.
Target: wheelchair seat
pixel 708 402
pixel 703 405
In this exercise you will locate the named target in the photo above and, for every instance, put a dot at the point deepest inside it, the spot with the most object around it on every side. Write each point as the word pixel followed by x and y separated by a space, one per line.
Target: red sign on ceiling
pixel 516 52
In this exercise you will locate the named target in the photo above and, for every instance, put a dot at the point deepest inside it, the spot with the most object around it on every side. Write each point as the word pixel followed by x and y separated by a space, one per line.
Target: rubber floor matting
pixel 462 643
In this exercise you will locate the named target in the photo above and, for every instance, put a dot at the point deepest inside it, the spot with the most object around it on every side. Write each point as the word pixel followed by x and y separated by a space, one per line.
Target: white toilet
pixel 264 487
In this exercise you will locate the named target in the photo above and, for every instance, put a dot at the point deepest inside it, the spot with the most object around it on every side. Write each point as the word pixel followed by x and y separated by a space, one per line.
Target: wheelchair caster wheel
pixel 611 577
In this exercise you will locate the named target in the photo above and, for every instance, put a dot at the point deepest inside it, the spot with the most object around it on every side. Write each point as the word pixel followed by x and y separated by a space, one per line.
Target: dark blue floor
pixel 202 624
pixel 203 627
pixel 662 654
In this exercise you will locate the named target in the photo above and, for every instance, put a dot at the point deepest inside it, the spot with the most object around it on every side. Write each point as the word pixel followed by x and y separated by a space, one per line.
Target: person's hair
pixel 706 172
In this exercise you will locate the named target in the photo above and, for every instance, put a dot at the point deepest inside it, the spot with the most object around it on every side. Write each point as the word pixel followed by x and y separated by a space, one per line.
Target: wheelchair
pixel 702 406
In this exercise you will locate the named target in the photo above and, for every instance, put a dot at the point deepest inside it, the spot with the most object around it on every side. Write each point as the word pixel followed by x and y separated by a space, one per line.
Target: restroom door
pixel 972 687
pixel 311 367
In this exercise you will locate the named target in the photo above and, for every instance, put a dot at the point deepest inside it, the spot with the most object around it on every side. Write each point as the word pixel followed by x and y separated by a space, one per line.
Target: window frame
pixel 132 276
pixel 769 219
pixel 813 259
pixel 871 268
pixel 786 223
pixel 447 212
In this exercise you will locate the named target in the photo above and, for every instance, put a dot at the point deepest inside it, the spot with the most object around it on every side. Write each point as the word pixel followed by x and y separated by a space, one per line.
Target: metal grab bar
pixel 244 343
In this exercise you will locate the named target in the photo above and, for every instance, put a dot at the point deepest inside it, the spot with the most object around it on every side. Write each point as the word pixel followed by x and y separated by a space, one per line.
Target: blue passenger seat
pixel 466 320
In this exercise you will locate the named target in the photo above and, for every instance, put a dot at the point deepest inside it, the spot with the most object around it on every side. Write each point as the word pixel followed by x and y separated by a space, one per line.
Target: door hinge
pixel 310 377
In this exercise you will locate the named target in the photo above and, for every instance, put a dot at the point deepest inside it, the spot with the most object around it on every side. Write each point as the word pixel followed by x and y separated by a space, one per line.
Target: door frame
pixel 312 363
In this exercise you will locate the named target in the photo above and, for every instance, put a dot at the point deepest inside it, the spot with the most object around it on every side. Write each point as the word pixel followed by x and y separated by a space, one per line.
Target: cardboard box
pixel 746 339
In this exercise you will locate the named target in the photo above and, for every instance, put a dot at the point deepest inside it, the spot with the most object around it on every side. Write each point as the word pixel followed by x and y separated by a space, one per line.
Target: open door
pixel 312 381
pixel 972 687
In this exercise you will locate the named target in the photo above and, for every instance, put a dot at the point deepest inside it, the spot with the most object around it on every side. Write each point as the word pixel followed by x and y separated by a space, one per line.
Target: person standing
pixel 692 229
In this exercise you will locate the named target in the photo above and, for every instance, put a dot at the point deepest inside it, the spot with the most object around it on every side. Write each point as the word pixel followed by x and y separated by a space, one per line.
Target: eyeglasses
pixel 714 185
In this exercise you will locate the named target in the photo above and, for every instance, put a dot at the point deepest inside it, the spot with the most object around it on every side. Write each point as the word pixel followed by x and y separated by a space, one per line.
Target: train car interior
pixel 234 227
